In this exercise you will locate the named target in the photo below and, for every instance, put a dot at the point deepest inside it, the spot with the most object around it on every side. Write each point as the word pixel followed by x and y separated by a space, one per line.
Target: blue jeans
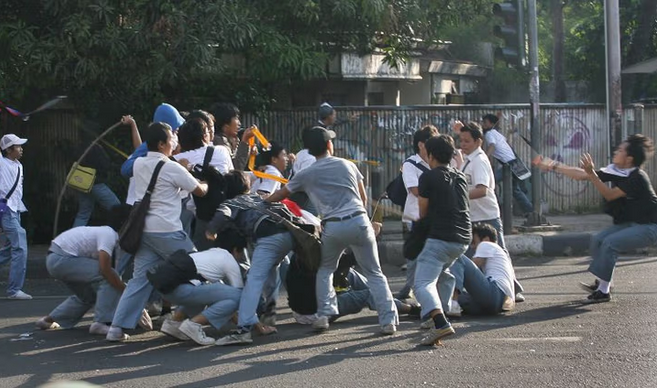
pixel 523 201
pixel 154 248
pixel 14 249
pixel 358 297
pixel 606 245
pixel 267 254
pixel 357 234
pixel 100 193
pixel 433 267
pixel 483 295
pixel 221 301
pixel 82 276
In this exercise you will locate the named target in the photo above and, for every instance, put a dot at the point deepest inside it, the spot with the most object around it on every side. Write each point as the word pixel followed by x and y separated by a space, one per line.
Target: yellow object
pixel 118 151
pixel 261 138
pixel 252 156
pixel 81 178
pixel 263 175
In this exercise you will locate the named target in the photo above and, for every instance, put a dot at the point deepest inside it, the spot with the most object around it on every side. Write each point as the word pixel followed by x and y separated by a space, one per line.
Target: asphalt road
pixel 552 340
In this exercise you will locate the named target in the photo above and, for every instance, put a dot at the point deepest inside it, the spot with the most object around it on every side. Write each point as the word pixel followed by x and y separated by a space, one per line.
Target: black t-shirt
pixel 640 203
pixel 449 211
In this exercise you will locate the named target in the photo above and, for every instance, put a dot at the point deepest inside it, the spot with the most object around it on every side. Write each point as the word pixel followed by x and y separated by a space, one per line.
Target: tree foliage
pixel 118 55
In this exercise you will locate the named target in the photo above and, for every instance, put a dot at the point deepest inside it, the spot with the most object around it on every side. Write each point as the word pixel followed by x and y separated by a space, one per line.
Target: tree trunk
pixel 556 7
pixel 641 40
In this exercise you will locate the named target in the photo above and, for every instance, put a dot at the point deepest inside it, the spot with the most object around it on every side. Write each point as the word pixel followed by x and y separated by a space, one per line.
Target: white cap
pixel 11 140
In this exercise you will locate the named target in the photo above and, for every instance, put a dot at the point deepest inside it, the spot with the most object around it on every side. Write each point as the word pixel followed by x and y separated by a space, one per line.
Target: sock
pixel 604 286
pixel 440 321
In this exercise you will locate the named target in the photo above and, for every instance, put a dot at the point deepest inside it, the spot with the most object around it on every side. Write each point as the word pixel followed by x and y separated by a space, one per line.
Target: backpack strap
pixel 208 156
pixel 13 188
pixel 419 166
pixel 151 185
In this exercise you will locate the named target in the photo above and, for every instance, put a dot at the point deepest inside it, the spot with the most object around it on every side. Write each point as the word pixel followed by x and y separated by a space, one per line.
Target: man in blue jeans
pixel 97 159
pixel 14 238
pixel 444 200
pixel 484 285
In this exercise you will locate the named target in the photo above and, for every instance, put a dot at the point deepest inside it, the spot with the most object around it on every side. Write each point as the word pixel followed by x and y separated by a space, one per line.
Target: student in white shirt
pixel 497 147
pixel 411 176
pixel 484 285
pixel 163 232
pixel 82 259
pixel 14 238
pixel 220 292
pixel 274 161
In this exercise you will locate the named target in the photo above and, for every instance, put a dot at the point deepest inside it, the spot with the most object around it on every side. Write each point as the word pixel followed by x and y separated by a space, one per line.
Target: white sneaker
pixel 321 324
pixel 195 332
pixel 116 334
pixel 172 328
pixel 428 324
pixel 388 329
pixel 455 309
pixel 99 328
pixel 20 295
pixel 235 338
pixel 145 322
pixel 45 325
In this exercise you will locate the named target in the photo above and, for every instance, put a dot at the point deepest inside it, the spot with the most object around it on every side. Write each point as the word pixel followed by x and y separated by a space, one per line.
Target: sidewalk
pixel 573 239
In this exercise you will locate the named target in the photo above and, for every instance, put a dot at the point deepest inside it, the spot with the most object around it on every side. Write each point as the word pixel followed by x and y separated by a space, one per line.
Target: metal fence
pixel 380 138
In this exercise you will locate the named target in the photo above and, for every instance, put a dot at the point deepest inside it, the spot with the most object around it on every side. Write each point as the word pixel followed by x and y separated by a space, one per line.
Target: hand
pixel 185 163
pixel 248 133
pixel 291 158
pixel 210 236
pixel 544 164
pixel 378 227
pixel 587 164
pixel 458 158
pixel 128 120
pixel 253 151
pixel 457 126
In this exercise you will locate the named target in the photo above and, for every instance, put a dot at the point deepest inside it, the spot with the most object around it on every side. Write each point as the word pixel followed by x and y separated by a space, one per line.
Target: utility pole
pixel 536 218
pixel 614 98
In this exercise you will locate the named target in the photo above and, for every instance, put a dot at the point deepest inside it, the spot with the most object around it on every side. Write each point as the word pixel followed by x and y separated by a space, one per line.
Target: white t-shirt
pixel 498 266
pixel 220 158
pixel 87 241
pixel 503 151
pixel 164 213
pixel 411 177
pixel 130 197
pixel 267 185
pixel 304 160
pixel 8 171
pixel 478 171
pixel 216 265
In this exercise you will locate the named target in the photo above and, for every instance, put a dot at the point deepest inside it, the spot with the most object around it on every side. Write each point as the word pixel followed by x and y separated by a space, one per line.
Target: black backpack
pixel 396 190
pixel 206 206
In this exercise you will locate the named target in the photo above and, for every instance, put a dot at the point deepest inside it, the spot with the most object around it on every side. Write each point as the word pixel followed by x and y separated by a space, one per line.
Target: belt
pixel 345 218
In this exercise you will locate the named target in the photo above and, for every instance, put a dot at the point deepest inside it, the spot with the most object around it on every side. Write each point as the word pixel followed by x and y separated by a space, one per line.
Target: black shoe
pixel 593 287
pixel 598 297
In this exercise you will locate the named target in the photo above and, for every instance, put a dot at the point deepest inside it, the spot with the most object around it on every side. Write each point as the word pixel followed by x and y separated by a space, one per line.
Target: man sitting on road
pixel 484 285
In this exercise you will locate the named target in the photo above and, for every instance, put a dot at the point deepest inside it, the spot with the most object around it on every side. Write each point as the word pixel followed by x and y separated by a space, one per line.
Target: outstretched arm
pixel 547 164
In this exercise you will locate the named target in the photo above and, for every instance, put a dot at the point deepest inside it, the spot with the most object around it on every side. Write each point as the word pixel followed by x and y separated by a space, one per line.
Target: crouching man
pixel 82 259
pixel 484 285
pixel 260 222
pixel 206 286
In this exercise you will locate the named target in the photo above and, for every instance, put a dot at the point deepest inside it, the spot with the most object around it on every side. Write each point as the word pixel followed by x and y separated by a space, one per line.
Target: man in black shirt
pixel 631 201
pixel 444 199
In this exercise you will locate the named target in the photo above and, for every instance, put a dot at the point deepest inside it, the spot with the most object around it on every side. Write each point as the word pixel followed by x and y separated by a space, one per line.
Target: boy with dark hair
pixel 497 147
pixel 274 161
pixel 82 259
pixel 484 285
pixel 227 125
pixel 14 237
pixel 444 200
pixel 412 169
pixel 335 186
